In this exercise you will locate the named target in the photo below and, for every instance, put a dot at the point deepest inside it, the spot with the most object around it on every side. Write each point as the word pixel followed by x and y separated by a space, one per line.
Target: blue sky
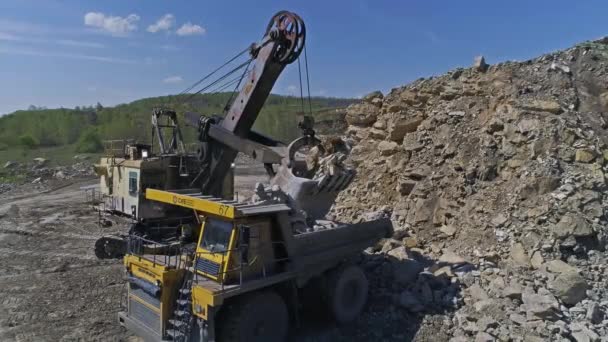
pixel 67 53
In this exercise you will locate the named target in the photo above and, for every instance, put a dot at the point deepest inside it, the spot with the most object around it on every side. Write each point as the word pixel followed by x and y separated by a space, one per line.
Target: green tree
pixel 89 142
pixel 28 141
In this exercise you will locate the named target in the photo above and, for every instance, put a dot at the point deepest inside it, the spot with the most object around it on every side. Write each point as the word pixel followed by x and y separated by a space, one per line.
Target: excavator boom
pixel 282 43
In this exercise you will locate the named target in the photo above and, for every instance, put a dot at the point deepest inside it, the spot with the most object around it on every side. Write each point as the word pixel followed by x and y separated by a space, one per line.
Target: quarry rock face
pixel 505 166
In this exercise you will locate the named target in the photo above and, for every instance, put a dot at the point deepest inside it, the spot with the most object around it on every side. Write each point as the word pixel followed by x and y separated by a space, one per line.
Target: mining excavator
pixel 128 168
pixel 238 270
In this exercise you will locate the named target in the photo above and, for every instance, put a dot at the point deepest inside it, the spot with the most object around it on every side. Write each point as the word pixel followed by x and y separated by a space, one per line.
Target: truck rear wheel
pixel 258 317
pixel 347 293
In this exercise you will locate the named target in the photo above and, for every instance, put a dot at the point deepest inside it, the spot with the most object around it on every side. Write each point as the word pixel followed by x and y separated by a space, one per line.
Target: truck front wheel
pixel 347 293
pixel 261 317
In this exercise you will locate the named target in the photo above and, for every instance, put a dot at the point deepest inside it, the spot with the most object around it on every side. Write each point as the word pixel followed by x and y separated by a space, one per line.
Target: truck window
pixel 216 235
pixel 132 183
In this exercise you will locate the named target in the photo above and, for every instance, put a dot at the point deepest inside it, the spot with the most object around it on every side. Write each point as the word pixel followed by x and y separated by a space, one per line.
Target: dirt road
pixel 52 287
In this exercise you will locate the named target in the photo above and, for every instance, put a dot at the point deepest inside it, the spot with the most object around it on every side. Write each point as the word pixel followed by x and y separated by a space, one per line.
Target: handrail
pixel 116 147
pixel 172 257
pixel 241 266
pixel 137 245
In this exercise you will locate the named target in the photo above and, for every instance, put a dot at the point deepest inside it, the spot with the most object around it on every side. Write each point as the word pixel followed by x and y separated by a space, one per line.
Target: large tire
pixel 347 293
pixel 110 247
pixel 259 317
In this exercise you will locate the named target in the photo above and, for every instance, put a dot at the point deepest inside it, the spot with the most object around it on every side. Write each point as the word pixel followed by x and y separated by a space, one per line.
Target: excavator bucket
pixel 314 196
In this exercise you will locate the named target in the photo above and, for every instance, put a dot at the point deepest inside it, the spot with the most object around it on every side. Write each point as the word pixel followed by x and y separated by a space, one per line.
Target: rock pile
pixel 79 169
pixel 503 167
pixel 39 172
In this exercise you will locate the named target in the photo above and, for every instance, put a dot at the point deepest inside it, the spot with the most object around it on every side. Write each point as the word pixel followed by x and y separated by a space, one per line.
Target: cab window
pixel 216 235
pixel 132 183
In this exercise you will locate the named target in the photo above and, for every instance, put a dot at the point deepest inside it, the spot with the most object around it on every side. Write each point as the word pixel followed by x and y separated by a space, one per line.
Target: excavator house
pixel 239 270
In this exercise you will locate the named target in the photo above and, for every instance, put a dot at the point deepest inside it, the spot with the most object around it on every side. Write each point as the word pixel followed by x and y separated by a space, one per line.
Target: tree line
pixel 85 127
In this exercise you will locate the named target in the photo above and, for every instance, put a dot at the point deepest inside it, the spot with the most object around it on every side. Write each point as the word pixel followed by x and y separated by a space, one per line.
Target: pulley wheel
pixel 291 35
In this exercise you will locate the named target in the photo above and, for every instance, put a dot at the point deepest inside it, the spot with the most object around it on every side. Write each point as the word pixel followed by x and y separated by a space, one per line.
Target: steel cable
pixel 307 81
pixel 218 80
pixel 301 90
pixel 213 72
pixel 245 73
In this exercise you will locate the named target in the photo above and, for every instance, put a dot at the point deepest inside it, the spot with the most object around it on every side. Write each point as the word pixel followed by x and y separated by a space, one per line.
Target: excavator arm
pixel 222 139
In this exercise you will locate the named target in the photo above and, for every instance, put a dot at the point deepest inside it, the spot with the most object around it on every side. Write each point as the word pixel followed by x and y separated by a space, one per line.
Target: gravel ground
pixel 52 287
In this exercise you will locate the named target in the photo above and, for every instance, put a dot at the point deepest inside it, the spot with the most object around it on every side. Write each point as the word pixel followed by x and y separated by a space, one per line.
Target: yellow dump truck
pixel 242 280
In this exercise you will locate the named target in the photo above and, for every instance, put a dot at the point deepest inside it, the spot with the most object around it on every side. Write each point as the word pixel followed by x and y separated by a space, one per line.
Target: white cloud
pixel 65 42
pixel 35 41
pixel 42 53
pixel 117 26
pixel 163 24
pixel 189 29
pixel 173 79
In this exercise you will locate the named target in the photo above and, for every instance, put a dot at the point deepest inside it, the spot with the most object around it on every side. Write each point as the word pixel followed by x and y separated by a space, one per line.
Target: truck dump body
pixel 341 241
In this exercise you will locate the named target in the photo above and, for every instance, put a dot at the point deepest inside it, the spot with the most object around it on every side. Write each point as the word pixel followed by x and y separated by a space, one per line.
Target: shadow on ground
pixel 403 294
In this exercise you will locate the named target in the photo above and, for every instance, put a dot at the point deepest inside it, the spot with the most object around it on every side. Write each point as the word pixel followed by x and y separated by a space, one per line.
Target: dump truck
pixel 244 278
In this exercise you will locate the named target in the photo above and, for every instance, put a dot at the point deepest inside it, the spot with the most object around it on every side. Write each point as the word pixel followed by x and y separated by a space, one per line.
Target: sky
pixel 69 53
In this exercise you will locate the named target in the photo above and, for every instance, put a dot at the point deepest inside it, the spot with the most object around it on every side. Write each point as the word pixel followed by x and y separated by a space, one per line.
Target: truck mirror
pixel 244 238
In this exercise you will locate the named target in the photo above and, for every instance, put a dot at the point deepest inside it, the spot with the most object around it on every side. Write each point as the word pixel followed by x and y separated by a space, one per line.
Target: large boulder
pixel 584 155
pixel 540 306
pixel 550 106
pixel 362 114
pixel 558 266
pixel 373 96
pixel 399 127
pixel 574 225
pixel 388 148
pixel 570 287
pixel 519 255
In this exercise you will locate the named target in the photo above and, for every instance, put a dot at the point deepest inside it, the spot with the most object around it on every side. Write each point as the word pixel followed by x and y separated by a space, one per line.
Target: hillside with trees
pixel 84 128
